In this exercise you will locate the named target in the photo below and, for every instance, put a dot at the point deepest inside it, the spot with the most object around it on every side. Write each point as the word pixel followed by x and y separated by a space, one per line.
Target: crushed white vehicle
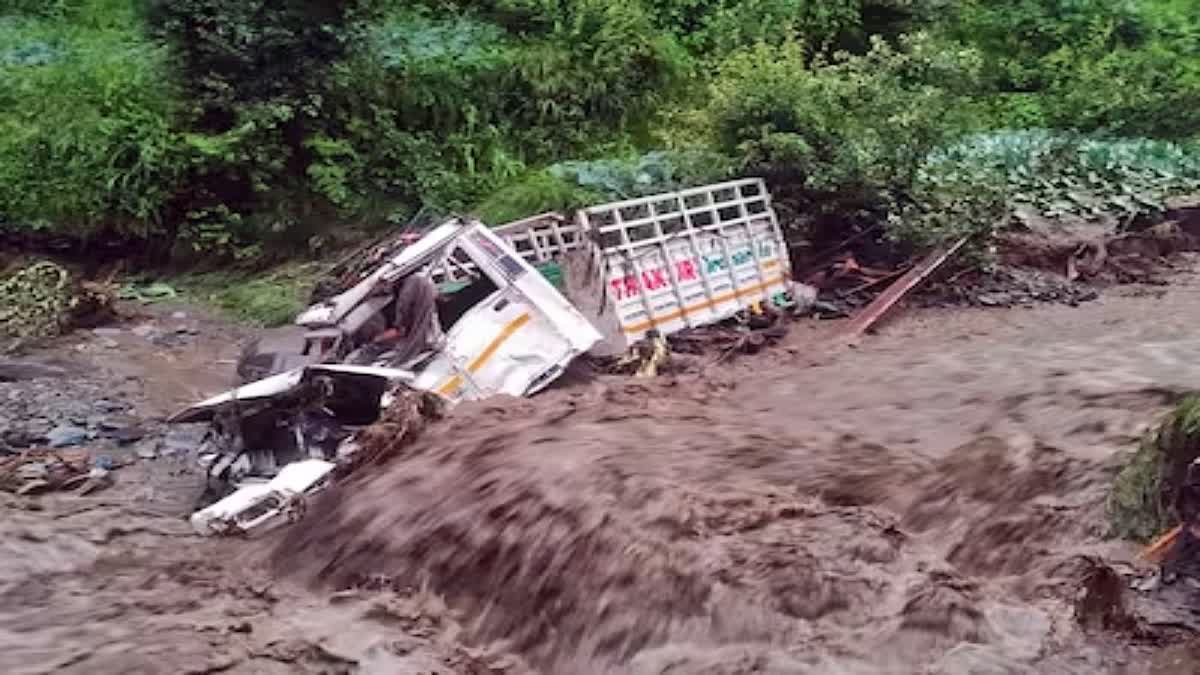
pixel 465 312
pixel 500 328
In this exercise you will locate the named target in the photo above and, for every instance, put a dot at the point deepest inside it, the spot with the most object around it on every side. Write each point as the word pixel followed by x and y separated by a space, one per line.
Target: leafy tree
pixel 255 74
pixel 714 28
pixel 1092 65
pixel 88 111
pixel 462 103
pixel 846 139
pixel 852 128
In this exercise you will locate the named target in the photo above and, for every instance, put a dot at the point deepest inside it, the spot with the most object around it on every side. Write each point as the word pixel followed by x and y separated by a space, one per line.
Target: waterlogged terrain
pixel 931 501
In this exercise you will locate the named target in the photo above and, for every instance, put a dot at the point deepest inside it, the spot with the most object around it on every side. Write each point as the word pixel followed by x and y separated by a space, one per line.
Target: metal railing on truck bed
pixel 667 261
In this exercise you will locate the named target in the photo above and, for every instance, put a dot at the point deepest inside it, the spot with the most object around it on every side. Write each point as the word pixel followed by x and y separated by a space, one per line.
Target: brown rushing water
pixel 923 503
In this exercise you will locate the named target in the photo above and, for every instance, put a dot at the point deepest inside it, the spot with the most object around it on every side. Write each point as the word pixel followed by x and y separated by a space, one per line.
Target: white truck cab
pixel 512 332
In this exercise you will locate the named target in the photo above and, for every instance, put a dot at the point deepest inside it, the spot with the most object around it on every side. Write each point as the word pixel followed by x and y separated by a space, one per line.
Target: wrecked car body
pixel 258 503
pixel 306 413
pixel 494 326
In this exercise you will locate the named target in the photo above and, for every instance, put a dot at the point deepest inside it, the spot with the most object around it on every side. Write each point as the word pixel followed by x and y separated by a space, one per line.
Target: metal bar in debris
pixel 896 292
pixel 1156 551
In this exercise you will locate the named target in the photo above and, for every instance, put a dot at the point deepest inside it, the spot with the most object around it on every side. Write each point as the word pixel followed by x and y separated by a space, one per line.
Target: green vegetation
pixel 1125 67
pixel 89 120
pixel 272 299
pixel 853 131
pixel 1060 174
pixel 1140 504
pixel 252 130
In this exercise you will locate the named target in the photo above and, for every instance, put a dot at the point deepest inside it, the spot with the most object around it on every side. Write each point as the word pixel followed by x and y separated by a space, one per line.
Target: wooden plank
pixel 902 287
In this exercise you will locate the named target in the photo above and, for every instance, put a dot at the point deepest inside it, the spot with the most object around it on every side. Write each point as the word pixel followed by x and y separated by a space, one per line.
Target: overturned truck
pixel 468 312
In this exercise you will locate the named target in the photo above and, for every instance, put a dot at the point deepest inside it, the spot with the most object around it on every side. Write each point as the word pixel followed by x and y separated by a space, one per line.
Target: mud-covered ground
pixel 926 502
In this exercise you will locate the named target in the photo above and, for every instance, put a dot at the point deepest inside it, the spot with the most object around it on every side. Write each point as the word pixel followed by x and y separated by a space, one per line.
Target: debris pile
pixel 1007 287
pixel 645 358
pixel 36 471
pixel 1085 252
pixel 693 350
pixel 749 336
pixel 1037 260
pixel 357 265
pixel 844 285
pixel 896 292
pixel 398 427
pixel 43 299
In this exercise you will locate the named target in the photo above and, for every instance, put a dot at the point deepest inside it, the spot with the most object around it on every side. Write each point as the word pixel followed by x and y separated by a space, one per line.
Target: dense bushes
pixel 248 127
pixel 89 122
pixel 467 103
pixel 1090 65
pixel 851 132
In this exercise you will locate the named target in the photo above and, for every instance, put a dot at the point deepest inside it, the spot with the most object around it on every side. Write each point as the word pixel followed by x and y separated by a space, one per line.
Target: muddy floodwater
pixel 927 501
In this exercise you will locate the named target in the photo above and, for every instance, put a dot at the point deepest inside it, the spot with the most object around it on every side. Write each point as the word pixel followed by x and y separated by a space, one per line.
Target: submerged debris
pixel 694 349
pixel 1101 603
pixel 36 471
pixel 400 424
pixel 1009 287
pixel 256 504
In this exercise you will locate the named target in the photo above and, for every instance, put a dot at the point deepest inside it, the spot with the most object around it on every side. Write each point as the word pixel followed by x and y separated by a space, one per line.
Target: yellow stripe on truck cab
pixel 451 385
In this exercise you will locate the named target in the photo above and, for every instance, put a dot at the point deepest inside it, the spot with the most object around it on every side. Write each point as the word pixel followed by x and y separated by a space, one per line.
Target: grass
pixel 270 299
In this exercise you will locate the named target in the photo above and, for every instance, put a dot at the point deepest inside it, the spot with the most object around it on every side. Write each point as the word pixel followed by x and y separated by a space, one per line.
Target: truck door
pixel 519 338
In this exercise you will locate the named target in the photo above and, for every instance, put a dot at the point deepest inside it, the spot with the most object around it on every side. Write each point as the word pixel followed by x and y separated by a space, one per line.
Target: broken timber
pixel 1156 551
pixel 896 292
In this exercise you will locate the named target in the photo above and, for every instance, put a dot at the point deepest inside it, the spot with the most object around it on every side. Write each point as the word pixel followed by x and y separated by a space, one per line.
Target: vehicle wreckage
pixel 467 312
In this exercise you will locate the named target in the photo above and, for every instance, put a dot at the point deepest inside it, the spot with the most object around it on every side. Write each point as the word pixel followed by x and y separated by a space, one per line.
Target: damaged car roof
pixel 282 383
